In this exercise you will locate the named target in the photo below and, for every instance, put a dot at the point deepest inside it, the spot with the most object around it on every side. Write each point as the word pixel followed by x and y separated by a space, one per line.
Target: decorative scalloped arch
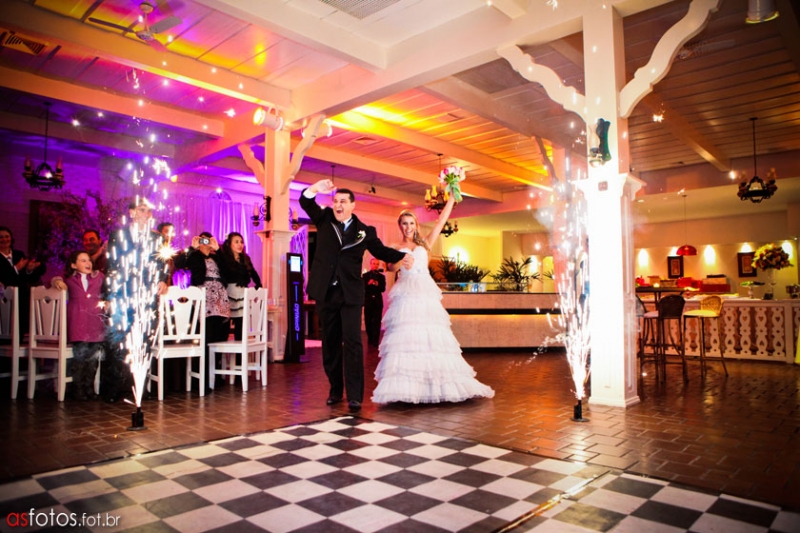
pixel 664 53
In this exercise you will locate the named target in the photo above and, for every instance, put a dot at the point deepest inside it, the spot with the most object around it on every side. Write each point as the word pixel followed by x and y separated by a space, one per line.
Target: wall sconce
pixel 262 212
pixel 294 220
pixel 269 118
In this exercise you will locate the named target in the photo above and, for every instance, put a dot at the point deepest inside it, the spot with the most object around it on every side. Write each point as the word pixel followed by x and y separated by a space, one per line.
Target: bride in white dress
pixel 420 358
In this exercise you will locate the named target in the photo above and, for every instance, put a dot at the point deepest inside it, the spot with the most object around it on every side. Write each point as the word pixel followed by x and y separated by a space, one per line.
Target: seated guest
pixel 241 273
pixel 17 270
pixel 208 270
pixel 96 247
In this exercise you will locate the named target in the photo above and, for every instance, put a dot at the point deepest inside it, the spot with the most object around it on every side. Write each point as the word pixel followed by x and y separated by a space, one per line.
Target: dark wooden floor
pixel 739 435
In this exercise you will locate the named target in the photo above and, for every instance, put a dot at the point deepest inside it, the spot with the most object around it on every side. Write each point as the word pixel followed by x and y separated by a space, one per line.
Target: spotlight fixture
pixel 757 189
pixel 761 11
pixel 44 177
pixel 268 118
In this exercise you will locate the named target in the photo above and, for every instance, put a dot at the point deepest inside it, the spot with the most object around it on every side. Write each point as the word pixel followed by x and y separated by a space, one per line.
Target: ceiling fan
pixel 146 34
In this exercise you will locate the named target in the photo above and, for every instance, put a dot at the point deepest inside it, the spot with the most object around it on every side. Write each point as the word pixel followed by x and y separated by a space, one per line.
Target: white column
pixel 609 191
pixel 278 235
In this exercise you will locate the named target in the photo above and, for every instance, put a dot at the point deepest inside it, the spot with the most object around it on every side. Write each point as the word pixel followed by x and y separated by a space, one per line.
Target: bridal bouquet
pixel 771 256
pixel 451 177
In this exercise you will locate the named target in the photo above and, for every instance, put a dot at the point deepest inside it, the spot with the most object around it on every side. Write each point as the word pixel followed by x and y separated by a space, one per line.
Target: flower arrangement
pixel 451 177
pixel 771 256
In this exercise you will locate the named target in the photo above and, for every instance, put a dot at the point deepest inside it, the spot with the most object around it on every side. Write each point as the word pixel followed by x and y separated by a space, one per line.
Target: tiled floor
pixel 351 475
pixel 738 435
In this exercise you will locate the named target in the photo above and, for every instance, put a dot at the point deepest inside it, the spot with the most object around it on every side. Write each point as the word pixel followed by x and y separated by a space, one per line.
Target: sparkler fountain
pixel 572 281
pixel 135 284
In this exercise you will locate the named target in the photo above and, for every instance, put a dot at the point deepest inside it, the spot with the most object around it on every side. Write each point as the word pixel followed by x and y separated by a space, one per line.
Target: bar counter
pixel 498 319
pixel 761 330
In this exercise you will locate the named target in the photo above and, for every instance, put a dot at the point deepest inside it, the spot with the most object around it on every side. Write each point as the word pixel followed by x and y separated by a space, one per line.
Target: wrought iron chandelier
pixel 436 198
pixel 448 230
pixel 44 177
pixel 756 190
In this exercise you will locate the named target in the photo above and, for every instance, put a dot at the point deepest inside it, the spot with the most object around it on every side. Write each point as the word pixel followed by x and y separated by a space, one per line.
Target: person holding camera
pixel 209 270
pixel 374 287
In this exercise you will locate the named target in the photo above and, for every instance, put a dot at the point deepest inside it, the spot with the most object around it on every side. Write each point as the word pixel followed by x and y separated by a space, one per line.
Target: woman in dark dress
pixel 240 273
pixel 17 270
pixel 208 270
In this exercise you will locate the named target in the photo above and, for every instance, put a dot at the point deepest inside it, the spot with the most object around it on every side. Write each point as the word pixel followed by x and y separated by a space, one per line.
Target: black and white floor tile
pixel 353 475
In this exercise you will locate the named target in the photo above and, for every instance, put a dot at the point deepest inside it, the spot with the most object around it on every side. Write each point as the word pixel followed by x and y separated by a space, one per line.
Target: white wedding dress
pixel 420 357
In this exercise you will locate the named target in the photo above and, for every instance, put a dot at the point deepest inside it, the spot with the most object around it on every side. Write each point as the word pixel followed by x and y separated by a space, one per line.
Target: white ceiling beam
pixel 44 25
pixel 103 101
pixel 400 172
pixel 511 8
pixel 83 136
pixel 469 98
pixel 305 28
pixel 238 130
pixel 355 121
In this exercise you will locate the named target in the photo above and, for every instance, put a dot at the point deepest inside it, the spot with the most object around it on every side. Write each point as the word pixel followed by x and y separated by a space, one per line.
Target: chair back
pixel 181 316
pixel 48 317
pixel 671 306
pixel 712 303
pixel 641 309
pixel 9 317
pixel 254 322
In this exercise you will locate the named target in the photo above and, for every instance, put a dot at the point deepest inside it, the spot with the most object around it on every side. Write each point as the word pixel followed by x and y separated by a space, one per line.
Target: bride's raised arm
pixel 437 229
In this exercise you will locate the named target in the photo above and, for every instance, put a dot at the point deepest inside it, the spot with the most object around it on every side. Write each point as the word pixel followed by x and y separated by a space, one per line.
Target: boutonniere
pixel 362 234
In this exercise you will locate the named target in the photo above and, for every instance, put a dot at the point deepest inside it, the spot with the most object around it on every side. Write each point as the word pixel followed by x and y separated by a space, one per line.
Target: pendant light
pixel 686 249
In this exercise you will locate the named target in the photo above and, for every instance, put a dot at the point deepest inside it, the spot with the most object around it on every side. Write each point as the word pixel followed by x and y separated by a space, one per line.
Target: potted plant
pixel 447 270
pixel 513 274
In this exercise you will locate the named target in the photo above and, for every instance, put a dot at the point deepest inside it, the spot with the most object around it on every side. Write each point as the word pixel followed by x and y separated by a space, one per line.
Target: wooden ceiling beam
pixel 469 98
pixel 96 99
pixel 44 25
pixel 340 157
pixel 354 121
pixel 68 132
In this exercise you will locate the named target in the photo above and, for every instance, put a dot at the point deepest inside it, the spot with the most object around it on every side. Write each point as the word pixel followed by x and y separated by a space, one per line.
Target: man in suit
pixel 334 282
pixel 374 287
pixel 133 262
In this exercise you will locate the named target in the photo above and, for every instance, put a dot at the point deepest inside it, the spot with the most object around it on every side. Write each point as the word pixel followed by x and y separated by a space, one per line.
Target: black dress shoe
pixel 354 405
pixel 333 399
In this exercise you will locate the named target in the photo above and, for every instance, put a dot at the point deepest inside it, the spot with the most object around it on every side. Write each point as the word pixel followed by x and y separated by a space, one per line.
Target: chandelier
pixel 44 177
pixel 757 189
pixel 448 230
pixel 436 198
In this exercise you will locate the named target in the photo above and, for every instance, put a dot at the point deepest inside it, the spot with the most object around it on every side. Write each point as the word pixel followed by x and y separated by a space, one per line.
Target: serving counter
pixel 503 319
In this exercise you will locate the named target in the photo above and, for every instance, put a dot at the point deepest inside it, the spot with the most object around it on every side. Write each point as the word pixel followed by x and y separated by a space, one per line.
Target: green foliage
pixel 513 274
pixel 450 271
pixel 547 274
pixel 61 225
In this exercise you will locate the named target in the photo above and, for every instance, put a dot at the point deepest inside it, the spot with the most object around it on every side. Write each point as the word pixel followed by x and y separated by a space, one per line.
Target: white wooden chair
pixel 48 338
pixel 252 349
pixel 12 346
pixel 182 334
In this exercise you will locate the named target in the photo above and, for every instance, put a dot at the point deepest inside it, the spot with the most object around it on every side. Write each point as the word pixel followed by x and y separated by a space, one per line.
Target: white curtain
pixel 193 215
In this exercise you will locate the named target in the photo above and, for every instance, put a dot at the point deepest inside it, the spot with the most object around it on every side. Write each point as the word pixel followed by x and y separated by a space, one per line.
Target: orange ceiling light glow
pixel 381 114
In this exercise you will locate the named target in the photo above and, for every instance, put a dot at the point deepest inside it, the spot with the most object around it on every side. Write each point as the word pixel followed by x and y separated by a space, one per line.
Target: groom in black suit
pixel 334 282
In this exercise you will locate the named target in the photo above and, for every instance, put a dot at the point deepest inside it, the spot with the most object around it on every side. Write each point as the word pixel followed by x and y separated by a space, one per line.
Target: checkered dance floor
pixel 352 475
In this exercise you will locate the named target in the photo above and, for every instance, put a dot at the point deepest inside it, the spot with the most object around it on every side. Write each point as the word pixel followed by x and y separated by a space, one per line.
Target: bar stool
pixel 646 325
pixel 658 334
pixel 710 307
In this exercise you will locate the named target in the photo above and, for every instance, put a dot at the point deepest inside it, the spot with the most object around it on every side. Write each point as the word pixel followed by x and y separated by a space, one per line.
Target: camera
pixel 205 240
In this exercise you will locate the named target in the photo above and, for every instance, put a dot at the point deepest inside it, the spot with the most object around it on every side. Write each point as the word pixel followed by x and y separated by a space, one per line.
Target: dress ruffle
pixel 421 359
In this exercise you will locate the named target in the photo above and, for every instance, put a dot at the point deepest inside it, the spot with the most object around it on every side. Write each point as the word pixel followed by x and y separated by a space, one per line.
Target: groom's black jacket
pixel 338 257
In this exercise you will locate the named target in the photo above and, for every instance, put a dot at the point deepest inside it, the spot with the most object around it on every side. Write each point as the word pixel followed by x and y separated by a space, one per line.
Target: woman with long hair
pixel 240 273
pixel 421 359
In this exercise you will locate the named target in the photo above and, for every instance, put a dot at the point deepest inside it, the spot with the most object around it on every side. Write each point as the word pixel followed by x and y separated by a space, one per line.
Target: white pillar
pixel 609 191
pixel 277 236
